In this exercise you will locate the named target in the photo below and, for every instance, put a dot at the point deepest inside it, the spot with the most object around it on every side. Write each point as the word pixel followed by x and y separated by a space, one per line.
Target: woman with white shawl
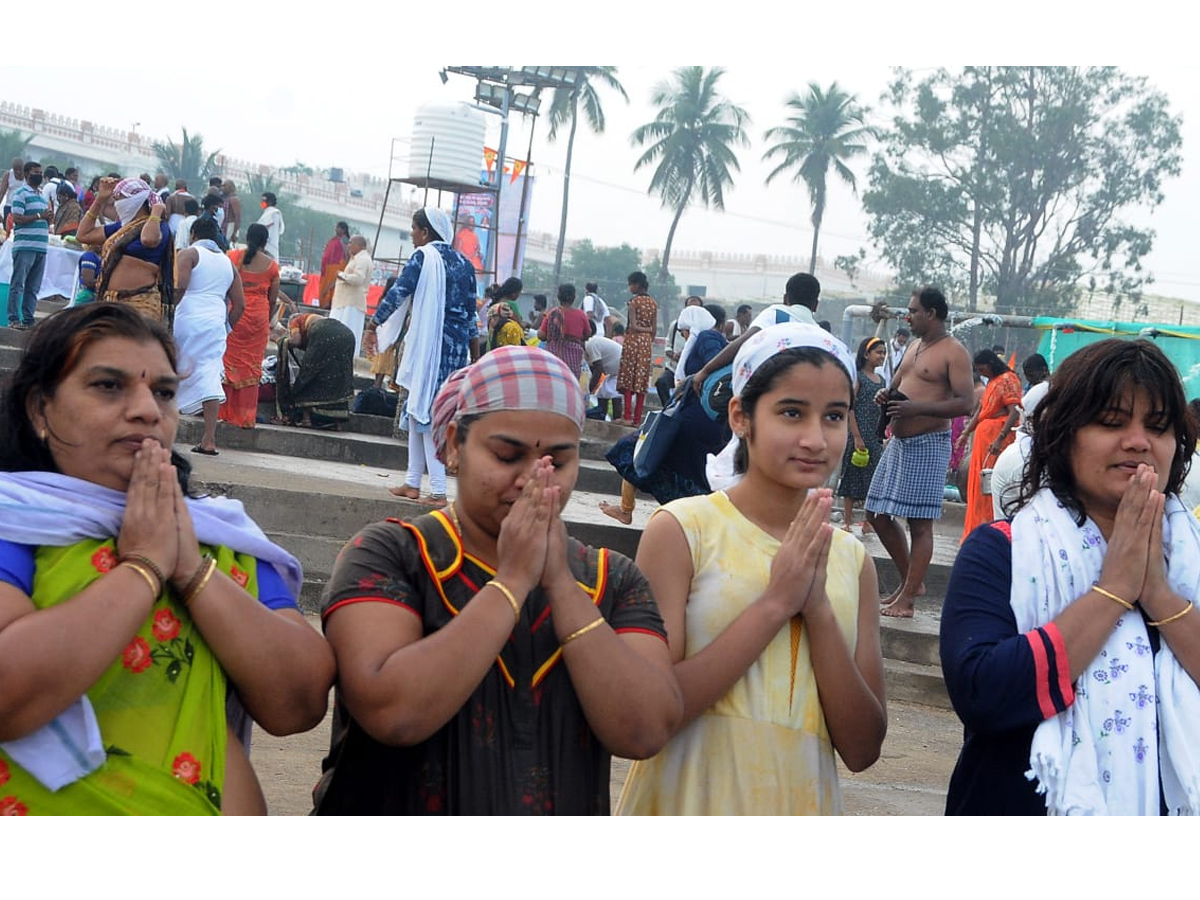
pixel 1069 639
pixel 436 293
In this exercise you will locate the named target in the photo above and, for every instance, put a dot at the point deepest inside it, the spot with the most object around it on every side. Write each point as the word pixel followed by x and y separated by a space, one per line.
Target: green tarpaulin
pixel 1181 343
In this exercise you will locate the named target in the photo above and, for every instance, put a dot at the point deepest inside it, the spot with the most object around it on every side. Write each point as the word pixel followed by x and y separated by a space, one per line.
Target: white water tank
pixel 447 143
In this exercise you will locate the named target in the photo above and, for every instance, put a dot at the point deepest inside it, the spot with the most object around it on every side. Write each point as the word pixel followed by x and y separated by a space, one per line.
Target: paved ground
pixel 909 780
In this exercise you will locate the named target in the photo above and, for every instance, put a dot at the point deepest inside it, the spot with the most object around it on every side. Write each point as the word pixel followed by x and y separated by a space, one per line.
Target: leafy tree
pixel 257 185
pixel 564 108
pixel 609 267
pixel 690 143
pixel 826 128
pixel 1014 180
pixel 187 159
pixel 12 144
pixel 851 263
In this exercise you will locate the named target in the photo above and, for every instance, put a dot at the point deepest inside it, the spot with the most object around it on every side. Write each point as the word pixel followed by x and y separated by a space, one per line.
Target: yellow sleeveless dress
pixel 763 748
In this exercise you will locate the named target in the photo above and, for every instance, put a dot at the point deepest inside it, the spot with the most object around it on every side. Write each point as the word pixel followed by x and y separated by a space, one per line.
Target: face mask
pixel 263 204
pixel 33 180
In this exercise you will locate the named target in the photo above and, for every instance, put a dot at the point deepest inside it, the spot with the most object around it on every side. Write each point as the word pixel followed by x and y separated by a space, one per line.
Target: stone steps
pixel 361 449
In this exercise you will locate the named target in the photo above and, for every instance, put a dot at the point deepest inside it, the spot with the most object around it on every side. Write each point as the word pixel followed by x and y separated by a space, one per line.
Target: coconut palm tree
pixel 186 159
pixel 564 108
pixel 826 128
pixel 691 140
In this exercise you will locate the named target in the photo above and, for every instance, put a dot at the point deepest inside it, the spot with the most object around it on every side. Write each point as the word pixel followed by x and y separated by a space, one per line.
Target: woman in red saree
pixel 333 260
pixel 992 425
pixel 246 344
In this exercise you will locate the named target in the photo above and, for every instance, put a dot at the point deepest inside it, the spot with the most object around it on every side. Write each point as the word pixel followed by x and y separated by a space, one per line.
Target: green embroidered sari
pixel 160 705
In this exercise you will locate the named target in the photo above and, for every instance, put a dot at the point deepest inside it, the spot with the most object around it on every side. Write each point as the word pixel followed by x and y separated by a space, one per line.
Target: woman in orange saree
pixel 246 344
pixel 992 425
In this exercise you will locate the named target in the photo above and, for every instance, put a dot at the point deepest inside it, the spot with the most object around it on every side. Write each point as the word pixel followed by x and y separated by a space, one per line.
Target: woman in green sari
pixel 138 626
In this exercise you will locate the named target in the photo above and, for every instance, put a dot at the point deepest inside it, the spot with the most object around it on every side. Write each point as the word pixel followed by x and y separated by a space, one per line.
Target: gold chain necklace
pixel 454 518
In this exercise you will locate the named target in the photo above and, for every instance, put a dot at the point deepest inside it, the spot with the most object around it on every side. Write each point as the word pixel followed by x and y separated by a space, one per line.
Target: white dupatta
pixel 422 358
pixel 1133 710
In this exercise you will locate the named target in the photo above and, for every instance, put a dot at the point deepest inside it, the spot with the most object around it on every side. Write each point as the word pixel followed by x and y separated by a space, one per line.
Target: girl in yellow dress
pixel 772 614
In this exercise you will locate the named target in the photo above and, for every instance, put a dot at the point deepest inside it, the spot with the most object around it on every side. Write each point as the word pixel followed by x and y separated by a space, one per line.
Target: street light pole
pixel 494 248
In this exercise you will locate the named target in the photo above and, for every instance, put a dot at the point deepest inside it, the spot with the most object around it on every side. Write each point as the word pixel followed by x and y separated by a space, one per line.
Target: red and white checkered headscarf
pixel 508 378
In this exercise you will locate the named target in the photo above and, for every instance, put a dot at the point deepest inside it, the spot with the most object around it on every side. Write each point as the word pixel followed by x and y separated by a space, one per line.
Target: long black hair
pixel 256 239
pixel 55 348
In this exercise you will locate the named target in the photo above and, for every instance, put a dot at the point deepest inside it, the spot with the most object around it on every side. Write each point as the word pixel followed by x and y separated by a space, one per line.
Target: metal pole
pixel 524 196
pixel 494 244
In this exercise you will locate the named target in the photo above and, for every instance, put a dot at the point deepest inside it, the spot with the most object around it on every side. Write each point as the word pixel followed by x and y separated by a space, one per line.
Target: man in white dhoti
pixel 349 304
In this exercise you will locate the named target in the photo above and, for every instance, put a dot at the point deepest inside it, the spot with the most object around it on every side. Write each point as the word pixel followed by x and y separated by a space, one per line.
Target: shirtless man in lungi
pixel 935 378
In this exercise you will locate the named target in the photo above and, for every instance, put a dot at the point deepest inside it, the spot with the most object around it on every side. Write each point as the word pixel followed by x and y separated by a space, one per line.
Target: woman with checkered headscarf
pixel 489 662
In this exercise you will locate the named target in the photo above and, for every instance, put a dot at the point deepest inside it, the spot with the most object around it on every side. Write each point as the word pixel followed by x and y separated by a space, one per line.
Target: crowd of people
pixel 735 658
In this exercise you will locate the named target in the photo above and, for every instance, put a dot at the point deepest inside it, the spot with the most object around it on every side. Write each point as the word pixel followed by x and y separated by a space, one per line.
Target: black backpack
pixel 375 401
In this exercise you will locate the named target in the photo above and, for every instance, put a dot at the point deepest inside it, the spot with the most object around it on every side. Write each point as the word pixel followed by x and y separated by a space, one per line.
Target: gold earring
pixel 42 435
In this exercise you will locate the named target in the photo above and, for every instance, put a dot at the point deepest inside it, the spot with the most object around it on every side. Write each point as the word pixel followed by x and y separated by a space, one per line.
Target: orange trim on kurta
pixel 596 593
pixel 1041 669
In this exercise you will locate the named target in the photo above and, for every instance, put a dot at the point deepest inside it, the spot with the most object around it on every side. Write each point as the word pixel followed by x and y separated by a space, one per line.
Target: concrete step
pixel 354 449
pixel 915 683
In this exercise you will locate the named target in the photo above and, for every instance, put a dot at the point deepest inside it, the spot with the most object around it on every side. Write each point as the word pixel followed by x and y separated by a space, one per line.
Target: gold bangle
pixel 595 623
pixel 508 595
pixel 147 562
pixel 1111 596
pixel 154 218
pixel 193 593
pixel 145 573
pixel 1179 615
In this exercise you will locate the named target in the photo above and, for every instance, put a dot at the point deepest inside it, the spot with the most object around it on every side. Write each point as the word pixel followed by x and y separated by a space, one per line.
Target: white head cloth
pixel 755 351
pixel 693 319
pixel 129 196
pixel 1135 720
pixel 441 223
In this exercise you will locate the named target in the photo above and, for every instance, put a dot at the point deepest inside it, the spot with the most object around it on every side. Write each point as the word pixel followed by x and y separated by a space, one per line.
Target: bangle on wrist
pixel 1169 619
pixel 145 573
pixel 595 623
pixel 508 595
pixel 1111 596
pixel 199 580
pixel 146 561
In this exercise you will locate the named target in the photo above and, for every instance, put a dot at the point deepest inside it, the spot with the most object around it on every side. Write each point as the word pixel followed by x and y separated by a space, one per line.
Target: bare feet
pixel 621 515
pixel 405 492
pixel 434 501
pixel 866 527
pixel 920 590
pixel 900 608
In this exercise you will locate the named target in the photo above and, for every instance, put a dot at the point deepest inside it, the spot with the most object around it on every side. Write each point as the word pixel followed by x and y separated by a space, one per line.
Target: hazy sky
pixel 314 114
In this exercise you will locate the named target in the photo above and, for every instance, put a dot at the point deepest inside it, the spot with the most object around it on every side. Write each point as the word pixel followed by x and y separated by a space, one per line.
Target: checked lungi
pixel 910 480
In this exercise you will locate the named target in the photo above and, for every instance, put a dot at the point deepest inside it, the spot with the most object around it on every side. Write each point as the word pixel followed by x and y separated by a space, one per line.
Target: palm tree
pixel 826 127
pixel 186 159
pixel 565 108
pixel 691 139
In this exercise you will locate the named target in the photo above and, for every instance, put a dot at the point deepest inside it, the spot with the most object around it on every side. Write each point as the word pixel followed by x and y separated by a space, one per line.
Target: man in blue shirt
pixel 31 238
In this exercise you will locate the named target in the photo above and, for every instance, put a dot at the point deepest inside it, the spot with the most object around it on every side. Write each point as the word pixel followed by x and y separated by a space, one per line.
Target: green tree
pixel 826 128
pixel 690 143
pixel 187 159
pixel 609 267
pixel 1016 181
pixel 13 144
pixel 564 108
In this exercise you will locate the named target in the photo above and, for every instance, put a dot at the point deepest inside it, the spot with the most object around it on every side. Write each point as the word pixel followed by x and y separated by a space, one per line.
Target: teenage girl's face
pixel 799 428
pixel 499 453
pixel 876 356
